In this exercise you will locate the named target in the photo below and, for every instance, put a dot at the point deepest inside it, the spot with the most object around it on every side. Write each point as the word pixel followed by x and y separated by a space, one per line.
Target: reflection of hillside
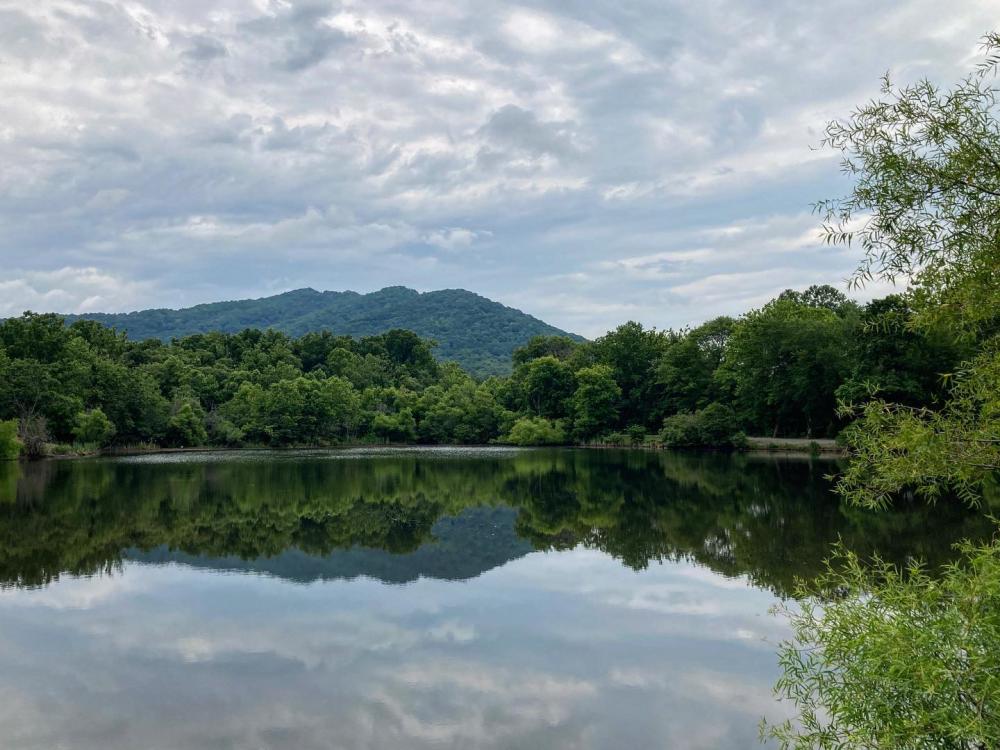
pixel 462 547
pixel 397 517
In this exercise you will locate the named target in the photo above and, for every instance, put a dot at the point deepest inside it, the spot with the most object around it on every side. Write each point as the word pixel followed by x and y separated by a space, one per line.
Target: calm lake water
pixel 445 598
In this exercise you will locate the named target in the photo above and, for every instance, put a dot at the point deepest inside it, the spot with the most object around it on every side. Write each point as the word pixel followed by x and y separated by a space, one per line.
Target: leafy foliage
pixel 536 431
pixel 925 163
pixel 778 369
pixel 10 445
pixel 595 402
pixel 904 658
pixel 93 426
pixel 687 370
pixel 715 426
pixel 884 657
pixel 955 449
pixel 784 363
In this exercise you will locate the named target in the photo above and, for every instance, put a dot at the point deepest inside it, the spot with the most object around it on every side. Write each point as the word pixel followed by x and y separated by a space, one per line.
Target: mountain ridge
pixel 475 331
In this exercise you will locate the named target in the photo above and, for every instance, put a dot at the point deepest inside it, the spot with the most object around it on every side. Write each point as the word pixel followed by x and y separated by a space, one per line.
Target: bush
pixel 636 434
pixel 10 445
pixel 222 431
pixel 400 427
pixel 536 431
pixel 93 427
pixel 890 658
pixel 712 427
pixel 33 433
pixel 681 431
pixel 187 427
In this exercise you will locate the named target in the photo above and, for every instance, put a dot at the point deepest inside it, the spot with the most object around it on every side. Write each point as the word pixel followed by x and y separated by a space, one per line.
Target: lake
pixel 438 598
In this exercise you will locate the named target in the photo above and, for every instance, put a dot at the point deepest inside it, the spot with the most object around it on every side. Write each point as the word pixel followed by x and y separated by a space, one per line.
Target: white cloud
pixel 196 151
pixel 68 290
pixel 454 238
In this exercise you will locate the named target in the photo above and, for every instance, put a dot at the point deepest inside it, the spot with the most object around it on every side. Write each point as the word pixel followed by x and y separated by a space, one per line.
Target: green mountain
pixel 476 332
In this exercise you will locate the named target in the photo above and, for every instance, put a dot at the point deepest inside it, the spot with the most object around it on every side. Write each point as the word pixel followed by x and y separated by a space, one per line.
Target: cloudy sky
pixel 588 161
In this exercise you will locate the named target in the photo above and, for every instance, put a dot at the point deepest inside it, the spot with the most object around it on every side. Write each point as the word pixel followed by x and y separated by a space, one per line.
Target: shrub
pixel 93 427
pixel 187 426
pixel 636 434
pixel 33 433
pixel 892 658
pixel 10 445
pixel 712 427
pixel 681 431
pixel 73 449
pixel 222 431
pixel 536 431
pixel 400 427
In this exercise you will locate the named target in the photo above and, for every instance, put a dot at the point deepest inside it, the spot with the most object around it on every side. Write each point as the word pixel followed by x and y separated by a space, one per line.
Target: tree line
pixel 780 371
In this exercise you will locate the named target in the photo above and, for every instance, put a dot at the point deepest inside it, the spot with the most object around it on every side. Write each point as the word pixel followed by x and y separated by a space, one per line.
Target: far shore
pixel 799 446
pixel 795 445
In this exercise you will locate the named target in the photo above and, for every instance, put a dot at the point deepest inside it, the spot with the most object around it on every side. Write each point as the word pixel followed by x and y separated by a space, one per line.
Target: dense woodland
pixel 777 371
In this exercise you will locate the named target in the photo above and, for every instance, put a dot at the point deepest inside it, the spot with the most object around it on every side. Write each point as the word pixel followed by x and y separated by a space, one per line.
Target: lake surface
pixel 448 598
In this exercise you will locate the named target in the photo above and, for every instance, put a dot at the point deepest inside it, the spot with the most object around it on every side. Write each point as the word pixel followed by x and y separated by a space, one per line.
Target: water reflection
pixel 445 514
pixel 552 599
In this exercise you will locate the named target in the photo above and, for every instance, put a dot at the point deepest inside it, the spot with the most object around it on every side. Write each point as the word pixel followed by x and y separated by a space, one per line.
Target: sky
pixel 586 161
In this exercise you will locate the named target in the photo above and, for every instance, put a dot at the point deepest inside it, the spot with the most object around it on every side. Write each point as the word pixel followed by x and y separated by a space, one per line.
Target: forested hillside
pixel 476 332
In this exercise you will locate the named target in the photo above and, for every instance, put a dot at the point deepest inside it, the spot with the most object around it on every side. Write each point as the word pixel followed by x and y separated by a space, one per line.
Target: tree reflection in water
pixel 446 514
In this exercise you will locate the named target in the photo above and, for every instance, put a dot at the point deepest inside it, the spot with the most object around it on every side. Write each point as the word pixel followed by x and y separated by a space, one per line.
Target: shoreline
pixel 824 446
pixel 802 447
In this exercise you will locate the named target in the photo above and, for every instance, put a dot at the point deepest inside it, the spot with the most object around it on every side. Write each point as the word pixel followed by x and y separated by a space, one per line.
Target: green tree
pixel 363 371
pixel 926 164
pixel 93 426
pixel 400 427
pixel 536 431
pixel 547 384
pixel 633 353
pixel 715 426
pixel 31 389
pixel 595 403
pixel 687 370
pixel 245 410
pixel 308 410
pixel 822 295
pixel 905 658
pixel 784 363
pixel 560 347
pixel 407 351
pixel 40 337
pixel 186 427
pixel 895 360
pixel 883 657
